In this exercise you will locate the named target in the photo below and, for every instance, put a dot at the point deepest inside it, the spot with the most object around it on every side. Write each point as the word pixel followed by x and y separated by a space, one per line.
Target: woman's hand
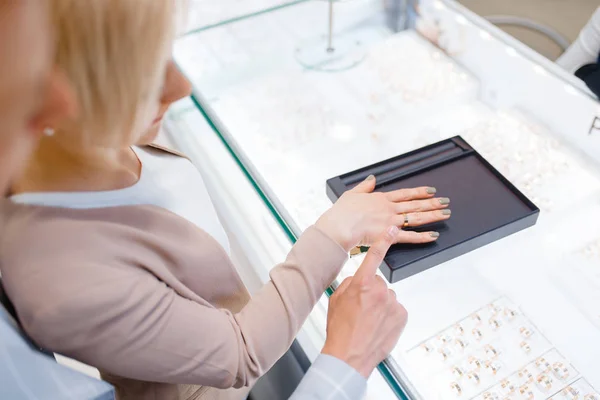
pixel 365 320
pixel 359 216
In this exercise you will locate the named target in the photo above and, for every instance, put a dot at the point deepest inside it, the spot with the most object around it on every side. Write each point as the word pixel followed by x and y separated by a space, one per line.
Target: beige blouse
pixel 153 301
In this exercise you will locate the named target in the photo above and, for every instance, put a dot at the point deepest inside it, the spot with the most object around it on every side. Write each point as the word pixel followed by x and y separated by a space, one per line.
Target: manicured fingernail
pixel 446 212
pixel 431 190
pixel 370 178
pixel 444 201
pixel 393 231
pixel 435 234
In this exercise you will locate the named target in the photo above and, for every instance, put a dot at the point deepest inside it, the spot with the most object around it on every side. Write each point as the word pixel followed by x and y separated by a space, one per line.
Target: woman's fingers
pixel 417 237
pixel 421 218
pixel 366 186
pixel 424 192
pixel 392 296
pixel 422 205
pixel 376 254
pixel 343 286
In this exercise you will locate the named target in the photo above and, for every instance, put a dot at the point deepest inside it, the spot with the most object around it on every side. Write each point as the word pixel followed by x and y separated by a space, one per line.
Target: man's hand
pixel 365 320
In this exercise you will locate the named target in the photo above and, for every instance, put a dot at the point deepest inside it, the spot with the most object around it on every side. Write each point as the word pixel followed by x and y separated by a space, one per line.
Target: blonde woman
pixel 32 95
pixel 113 254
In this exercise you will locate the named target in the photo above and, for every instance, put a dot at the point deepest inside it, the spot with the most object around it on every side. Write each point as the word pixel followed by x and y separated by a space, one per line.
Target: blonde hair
pixel 115 53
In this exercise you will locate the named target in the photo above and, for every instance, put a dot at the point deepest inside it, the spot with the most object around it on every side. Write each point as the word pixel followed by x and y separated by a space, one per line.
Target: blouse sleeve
pixel 127 322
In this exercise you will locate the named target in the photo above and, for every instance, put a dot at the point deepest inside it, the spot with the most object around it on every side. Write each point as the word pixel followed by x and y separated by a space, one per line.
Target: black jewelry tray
pixel 485 205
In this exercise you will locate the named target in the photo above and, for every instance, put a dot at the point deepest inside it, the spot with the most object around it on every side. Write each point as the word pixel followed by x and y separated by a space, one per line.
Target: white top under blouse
pixel 166 181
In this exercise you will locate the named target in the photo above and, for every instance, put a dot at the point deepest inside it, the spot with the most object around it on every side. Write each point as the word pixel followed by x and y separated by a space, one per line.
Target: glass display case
pixel 518 319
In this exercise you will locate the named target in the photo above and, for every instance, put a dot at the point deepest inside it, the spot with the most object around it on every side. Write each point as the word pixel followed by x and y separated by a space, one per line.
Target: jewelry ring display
pixel 474 377
pixel 458 372
pixel 543 365
pixel 507 385
pixel 525 374
pixel 545 382
pixel 456 388
pixel 526 393
pixel 493 367
pixel 560 371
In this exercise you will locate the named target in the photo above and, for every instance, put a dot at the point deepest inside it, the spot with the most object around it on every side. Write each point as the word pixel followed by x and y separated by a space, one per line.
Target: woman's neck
pixel 56 168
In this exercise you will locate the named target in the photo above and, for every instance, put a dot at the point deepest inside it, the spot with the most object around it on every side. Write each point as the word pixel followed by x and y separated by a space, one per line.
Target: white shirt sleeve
pixel 585 49
pixel 331 379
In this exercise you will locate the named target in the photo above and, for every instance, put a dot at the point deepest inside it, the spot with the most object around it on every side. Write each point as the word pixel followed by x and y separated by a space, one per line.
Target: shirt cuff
pixel 331 378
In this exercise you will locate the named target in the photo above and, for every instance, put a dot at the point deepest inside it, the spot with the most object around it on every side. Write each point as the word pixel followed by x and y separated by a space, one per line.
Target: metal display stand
pixel 331 52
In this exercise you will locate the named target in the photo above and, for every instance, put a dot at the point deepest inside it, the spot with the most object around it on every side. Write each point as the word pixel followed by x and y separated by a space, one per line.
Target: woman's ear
pixel 59 103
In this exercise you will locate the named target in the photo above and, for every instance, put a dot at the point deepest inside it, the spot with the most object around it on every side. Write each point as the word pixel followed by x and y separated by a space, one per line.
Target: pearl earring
pixel 48 131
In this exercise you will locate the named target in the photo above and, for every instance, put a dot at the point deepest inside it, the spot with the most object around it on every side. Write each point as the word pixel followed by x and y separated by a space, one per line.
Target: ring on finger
pixel 406 223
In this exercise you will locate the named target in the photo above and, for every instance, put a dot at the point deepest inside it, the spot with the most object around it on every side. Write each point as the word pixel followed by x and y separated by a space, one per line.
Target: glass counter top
pixel 206 14
pixel 516 319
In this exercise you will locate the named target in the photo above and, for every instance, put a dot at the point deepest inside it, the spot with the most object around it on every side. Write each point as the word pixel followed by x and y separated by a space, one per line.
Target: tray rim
pixel 336 187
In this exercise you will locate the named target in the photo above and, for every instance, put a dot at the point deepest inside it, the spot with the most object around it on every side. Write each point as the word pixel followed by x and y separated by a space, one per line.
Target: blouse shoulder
pixel 51 234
